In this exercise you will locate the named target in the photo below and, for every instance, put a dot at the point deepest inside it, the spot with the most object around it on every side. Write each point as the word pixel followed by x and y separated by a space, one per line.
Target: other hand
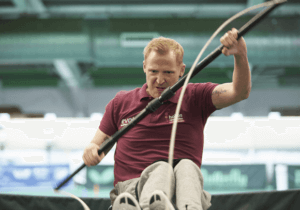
pixel 232 46
pixel 90 155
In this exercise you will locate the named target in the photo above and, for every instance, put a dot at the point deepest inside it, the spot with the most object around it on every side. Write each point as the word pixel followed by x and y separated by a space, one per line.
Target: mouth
pixel 160 89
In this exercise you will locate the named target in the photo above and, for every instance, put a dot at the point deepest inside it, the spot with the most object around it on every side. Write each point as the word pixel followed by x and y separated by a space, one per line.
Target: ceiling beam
pixel 17 62
pixel 166 11
pixel 142 11
pixel 21 5
pixel 157 11
pixel 38 6
pixel 70 73
pixel 26 6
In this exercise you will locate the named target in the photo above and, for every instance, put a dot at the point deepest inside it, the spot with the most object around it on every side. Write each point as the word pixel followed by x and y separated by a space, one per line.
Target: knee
pixel 159 167
pixel 187 163
pixel 186 166
pixel 165 166
pixel 157 173
pixel 187 169
pixel 162 164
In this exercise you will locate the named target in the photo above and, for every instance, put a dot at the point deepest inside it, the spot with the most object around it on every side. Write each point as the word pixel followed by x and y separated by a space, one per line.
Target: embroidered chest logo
pixel 171 118
pixel 126 121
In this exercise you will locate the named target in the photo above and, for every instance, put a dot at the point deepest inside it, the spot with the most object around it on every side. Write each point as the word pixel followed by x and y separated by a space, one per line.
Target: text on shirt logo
pixel 126 121
pixel 180 118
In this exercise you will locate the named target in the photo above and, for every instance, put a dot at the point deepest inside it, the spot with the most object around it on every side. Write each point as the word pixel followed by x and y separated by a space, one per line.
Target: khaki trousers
pixel 186 185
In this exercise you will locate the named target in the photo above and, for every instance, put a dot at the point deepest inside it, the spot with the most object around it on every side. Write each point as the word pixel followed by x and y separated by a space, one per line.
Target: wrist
pixel 241 55
pixel 93 143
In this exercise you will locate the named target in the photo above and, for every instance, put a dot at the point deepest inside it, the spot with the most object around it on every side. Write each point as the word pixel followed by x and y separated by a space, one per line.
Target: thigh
pixel 156 177
pixel 186 169
pixel 189 185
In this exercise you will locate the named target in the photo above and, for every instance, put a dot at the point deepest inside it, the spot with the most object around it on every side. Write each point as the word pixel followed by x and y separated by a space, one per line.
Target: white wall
pixel 220 133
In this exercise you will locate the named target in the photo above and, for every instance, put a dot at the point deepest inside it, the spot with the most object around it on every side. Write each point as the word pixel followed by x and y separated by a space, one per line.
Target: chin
pixel 156 95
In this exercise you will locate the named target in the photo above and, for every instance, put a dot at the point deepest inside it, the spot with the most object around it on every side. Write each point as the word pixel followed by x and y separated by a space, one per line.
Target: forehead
pixel 156 59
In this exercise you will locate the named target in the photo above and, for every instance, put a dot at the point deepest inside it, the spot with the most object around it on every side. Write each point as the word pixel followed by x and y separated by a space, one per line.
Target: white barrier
pixel 219 133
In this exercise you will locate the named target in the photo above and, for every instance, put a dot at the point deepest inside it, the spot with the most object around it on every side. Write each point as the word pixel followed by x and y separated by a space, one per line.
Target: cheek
pixel 172 80
pixel 150 80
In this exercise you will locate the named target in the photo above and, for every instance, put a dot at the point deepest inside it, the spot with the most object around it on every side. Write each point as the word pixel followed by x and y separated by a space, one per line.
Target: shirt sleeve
pixel 108 123
pixel 203 92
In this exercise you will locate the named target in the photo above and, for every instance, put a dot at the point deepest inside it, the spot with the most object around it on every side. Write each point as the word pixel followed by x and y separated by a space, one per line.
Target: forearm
pixel 241 78
pixel 99 138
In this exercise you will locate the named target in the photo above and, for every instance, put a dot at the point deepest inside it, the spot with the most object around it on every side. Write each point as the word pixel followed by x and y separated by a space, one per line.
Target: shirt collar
pixel 144 95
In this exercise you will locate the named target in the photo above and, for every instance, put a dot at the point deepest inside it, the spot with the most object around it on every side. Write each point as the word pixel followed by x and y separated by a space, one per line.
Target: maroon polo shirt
pixel 149 140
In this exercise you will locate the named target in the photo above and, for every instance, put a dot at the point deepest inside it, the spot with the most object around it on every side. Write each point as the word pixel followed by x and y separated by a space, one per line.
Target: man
pixel 141 170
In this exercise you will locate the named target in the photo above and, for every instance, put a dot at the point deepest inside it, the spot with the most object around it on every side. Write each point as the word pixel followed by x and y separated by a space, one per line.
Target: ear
pixel 144 66
pixel 182 70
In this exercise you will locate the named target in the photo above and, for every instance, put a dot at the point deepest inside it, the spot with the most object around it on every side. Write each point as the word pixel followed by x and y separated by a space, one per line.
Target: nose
pixel 160 79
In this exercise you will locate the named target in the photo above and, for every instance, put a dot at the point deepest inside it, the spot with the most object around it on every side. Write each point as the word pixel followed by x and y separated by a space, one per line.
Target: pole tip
pixel 56 187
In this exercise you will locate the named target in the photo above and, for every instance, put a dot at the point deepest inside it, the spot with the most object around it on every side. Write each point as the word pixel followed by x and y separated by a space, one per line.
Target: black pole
pixel 169 92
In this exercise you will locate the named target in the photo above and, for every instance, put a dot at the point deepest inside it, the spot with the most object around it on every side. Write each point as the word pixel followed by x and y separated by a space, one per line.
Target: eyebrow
pixel 163 70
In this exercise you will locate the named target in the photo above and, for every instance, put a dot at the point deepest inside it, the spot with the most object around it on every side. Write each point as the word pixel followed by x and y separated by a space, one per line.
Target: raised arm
pixel 239 89
pixel 90 155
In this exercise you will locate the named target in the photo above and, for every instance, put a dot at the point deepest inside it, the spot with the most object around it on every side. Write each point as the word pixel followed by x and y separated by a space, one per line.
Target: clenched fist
pixel 232 46
pixel 90 155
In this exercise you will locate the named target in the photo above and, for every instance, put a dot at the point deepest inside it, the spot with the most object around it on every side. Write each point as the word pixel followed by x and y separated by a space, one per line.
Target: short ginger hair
pixel 164 45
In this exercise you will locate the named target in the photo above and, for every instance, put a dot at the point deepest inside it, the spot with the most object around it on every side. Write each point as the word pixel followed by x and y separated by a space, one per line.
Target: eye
pixel 153 71
pixel 168 72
